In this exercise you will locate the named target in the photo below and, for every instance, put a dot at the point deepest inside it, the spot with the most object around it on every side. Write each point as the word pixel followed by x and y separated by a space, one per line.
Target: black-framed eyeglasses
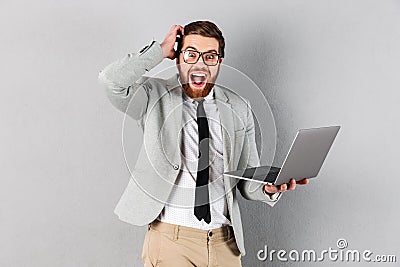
pixel 192 56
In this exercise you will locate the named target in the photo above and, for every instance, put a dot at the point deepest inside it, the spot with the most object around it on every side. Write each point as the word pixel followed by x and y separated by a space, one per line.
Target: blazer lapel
pixel 173 120
pixel 227 123
pixel 228 128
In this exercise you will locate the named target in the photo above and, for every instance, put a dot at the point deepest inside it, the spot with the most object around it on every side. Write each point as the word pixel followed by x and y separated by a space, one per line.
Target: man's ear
pixel 220 60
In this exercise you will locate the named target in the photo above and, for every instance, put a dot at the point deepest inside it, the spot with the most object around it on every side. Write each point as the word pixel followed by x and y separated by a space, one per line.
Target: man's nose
pixel 201 65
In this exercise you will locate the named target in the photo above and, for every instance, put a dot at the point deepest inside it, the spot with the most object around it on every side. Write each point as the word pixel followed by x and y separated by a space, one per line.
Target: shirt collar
pixel 210 96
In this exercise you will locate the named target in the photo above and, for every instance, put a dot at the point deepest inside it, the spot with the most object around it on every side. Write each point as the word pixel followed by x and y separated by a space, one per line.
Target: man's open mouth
pixel 198 80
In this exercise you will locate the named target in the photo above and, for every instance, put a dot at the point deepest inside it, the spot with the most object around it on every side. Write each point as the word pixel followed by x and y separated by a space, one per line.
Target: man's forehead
pixel 200 42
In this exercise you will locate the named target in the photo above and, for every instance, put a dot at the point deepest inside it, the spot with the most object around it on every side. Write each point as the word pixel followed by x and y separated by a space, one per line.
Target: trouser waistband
pixel 175 231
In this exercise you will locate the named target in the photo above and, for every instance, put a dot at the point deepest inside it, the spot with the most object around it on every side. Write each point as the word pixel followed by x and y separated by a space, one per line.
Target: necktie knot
pixel 200 109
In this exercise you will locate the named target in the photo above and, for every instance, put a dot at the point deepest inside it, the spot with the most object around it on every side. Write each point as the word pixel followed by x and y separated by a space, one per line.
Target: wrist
pixel 164 50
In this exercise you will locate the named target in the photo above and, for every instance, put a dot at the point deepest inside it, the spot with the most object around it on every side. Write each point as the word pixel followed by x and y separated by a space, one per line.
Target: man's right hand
pixel 168 44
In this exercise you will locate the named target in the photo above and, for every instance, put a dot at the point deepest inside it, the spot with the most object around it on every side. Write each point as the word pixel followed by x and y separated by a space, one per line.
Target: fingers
pixel 289 186
pixel 178 33
pixel 179 30
pixel 168 44
pixel 272 189
pixel 175 26
pixel 176 29
pixel 303 181
pixel 269 188
pixel 292 184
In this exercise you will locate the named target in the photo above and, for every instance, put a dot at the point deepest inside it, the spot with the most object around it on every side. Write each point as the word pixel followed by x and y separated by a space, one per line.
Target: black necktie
pixel 202 203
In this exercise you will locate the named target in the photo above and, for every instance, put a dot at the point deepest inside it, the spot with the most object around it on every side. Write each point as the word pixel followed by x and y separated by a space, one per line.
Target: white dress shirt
pixel 179 208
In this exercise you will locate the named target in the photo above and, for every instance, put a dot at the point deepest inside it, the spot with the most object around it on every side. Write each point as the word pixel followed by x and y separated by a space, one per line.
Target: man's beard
pixel 197 93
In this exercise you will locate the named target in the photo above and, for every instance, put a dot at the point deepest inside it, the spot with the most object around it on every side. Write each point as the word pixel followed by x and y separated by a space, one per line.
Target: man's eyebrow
pixel 191 47
pixel 194 48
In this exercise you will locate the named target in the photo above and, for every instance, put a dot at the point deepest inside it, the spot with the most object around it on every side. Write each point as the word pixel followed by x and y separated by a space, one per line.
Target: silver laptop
pixel 304 160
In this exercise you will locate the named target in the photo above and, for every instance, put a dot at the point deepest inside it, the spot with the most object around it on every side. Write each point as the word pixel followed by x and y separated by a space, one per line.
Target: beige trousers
pixel 175 245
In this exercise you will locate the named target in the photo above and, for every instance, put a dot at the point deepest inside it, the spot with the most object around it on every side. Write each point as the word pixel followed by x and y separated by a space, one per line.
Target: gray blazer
pixel 156 104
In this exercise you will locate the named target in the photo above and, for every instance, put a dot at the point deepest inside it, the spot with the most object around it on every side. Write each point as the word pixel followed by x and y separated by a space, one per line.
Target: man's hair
pixel 206 29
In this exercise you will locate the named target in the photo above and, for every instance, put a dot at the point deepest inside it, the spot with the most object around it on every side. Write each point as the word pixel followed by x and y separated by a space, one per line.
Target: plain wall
pixel 317 62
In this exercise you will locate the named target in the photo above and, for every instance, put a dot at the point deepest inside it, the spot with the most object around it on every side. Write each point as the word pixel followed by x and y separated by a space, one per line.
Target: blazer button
pixel 176 166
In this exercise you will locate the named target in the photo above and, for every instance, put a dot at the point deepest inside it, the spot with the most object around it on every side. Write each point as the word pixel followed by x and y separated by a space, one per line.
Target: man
pixel 194 131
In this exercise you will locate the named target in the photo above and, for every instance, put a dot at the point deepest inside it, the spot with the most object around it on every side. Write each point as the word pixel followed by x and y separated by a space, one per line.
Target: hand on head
pixel 168 44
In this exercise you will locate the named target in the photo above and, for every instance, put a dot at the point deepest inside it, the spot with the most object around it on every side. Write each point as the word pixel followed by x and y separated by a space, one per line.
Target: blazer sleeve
pixel 250 158
pixel 124 81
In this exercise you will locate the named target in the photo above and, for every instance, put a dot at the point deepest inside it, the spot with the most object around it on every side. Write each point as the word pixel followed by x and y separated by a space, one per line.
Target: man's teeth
pixel 199 74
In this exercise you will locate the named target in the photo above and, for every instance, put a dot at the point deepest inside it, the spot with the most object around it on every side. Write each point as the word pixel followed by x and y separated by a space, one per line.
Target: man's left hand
pixel 272 189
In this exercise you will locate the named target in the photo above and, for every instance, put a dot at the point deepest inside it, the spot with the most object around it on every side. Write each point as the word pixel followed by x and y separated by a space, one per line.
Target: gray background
pixel 317 62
